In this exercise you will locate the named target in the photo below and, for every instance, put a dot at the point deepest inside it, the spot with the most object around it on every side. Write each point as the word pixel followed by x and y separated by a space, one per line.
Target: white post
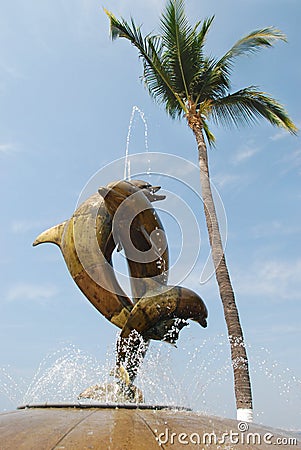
pixel 245 415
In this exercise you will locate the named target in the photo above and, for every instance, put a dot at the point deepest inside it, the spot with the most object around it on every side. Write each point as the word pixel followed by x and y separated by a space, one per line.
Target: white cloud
pixel 282 329
pixel 24 291
pixel 292 162
pixel 154 6
pixel 276 279
pixel 10 70
pixel 25 225
pixel 6 148
pixel 227 179
pixel 245 154
pixel 274 228
pixel 280 135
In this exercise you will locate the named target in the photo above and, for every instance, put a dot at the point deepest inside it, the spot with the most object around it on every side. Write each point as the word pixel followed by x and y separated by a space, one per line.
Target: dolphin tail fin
pixel 52 235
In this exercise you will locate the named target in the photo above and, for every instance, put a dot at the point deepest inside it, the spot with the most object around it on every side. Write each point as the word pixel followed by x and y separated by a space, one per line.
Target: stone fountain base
pixel 128 427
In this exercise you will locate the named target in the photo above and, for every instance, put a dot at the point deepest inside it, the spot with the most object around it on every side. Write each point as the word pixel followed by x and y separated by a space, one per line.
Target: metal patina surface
pixel 127 427
pixel 87 241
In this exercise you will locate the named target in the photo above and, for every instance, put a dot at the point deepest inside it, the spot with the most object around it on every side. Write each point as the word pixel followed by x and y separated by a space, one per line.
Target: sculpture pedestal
pixel 127 427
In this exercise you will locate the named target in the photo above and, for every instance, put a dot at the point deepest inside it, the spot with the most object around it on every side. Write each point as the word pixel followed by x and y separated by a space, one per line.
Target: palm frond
pixel 182 44
pixel 209 136
pixel 120 28
pixel 199 62
pixel 155 75
pixel 209 83
pixel 254 41
pixel 156 85
pixel 251 43
pixel 247 106
pixel 202 34
pixel 177 74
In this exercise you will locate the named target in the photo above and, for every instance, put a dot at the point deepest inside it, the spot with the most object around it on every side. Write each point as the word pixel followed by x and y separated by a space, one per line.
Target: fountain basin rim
pixel 104 406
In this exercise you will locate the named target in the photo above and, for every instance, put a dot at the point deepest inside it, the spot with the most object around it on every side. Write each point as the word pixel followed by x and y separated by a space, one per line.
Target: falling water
pixel 12 389
pixel 127 163
pixel 197 374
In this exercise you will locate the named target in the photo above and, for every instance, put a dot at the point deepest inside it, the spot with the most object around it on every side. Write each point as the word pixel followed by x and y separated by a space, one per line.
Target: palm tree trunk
pixel 242 384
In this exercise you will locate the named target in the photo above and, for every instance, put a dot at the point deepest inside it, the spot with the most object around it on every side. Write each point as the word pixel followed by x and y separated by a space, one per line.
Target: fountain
pixel 49 402
pixel 127 163
pixel 111 411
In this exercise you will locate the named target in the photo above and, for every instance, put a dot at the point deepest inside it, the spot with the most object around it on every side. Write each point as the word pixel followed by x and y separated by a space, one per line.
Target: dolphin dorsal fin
pixel 52 235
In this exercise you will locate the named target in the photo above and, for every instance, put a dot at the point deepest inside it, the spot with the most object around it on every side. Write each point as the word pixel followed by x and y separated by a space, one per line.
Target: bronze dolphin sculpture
pixel 135 225
pixel 184 303
pixel 166 303
pixel 86 244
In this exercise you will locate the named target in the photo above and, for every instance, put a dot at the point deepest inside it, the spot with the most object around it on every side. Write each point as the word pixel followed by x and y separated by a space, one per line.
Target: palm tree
pixel 196 87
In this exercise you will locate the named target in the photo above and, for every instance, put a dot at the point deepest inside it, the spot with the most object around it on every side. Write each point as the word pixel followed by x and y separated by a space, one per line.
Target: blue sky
pixel 67 93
